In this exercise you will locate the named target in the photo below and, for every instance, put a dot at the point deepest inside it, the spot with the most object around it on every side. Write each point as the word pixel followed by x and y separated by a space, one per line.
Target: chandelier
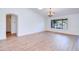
pixel 50 12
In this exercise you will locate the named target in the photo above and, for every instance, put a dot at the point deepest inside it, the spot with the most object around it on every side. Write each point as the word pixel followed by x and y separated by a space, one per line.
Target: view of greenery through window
pixel 59 23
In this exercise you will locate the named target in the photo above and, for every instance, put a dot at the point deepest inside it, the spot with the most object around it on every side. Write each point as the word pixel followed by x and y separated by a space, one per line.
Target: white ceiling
pixel 58 11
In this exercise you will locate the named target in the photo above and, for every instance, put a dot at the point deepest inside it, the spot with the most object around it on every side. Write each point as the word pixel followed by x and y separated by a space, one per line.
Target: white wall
pixel 28 21
pixel 73 24
pixel 14 19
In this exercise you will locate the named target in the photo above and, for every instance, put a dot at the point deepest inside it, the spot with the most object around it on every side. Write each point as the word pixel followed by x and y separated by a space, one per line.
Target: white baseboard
pixel 29 33
pixel 63 32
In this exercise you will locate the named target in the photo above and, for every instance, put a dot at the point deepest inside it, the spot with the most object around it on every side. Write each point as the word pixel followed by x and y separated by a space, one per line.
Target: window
pixel 59 23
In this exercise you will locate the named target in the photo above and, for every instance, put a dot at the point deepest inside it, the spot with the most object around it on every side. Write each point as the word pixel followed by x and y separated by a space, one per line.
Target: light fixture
pixel 50 12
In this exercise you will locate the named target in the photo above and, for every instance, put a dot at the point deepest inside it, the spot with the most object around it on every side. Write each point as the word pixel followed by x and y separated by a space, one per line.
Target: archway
pixel 11 25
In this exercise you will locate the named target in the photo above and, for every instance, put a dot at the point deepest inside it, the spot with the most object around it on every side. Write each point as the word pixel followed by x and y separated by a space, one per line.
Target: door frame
pixel 16 23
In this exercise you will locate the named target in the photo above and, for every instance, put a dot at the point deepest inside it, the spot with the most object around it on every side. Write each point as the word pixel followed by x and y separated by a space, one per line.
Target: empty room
pixel 39 29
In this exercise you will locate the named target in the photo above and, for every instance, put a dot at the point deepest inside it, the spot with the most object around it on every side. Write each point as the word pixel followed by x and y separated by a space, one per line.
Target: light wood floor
pixel 44 41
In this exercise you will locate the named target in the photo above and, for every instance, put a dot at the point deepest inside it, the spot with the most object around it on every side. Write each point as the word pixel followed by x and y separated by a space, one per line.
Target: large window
pixel 59 23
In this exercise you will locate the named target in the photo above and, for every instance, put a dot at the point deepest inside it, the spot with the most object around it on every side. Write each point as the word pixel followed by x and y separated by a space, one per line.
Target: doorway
pixel 11 25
